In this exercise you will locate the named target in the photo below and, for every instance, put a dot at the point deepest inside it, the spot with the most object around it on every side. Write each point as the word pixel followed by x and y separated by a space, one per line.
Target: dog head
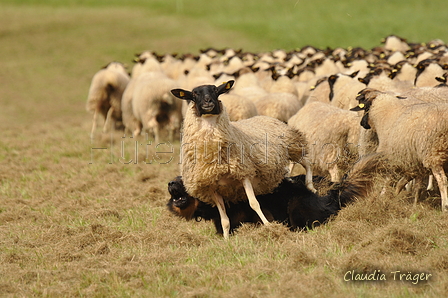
pixel 181 203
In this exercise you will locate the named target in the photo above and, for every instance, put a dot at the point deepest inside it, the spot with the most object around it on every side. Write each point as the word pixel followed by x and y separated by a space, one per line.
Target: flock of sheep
pixel 323 109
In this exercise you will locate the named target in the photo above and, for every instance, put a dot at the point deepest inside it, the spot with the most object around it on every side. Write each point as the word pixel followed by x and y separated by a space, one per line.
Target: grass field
pixel 79 221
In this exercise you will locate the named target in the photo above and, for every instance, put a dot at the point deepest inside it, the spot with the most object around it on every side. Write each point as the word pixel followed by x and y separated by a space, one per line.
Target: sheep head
pixel 205 97
pixel 365 98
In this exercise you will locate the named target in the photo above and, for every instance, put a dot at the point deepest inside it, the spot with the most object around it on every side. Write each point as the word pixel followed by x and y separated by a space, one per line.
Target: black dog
pixel 291 203
pixel 188 207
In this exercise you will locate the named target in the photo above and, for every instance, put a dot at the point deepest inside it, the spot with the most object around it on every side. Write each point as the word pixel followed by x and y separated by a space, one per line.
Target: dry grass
pixel 78 222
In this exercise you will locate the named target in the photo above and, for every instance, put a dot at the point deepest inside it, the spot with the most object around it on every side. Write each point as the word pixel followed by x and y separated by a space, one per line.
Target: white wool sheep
pixel 428 94
pixel 327 67
pixel 238 107
pixel 338 89
pixel 131 124
pixel 281 106
pixel 146 63
pixel 172 67
pixel 320 91
pixel 394 43
pixel 395 58
pixel 414 136
pixel 154 106
pixel 332 134
pixel 222 160
pixel 283 84
pixel 380 79
pixel 105 92
pixel 139 60
pixel 403 71
pixel 427 72
pixel 247 85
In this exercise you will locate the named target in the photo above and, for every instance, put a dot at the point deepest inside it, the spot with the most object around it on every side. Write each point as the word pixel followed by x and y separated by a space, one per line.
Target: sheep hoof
pixel 311 187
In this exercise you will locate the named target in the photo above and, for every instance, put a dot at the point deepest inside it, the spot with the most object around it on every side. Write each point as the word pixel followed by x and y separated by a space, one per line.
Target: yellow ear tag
pixel 361 105
pixel 228 86
pixel 181 93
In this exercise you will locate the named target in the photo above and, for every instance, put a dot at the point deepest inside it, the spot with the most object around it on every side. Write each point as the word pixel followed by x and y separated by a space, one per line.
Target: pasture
pixel 88 219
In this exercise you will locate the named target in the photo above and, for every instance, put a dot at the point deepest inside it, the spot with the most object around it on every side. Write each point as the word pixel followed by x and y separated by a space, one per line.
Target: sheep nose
pixel 171 183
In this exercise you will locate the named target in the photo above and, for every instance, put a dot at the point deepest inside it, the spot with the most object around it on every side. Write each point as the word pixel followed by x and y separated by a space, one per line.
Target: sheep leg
pixel 418 187
pixel 442 182
pixel 410 185
pixel 107 121
pixel 290 168
pixel 225 222
pixel 430 182
pixel 309 174
pixel 334 173
pixel 154 126
pixel 401 184
pixel 156 131
pixel 253 200
pixel 95 116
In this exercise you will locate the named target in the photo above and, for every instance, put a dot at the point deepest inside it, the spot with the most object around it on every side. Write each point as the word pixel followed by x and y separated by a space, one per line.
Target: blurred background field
pixel 73 227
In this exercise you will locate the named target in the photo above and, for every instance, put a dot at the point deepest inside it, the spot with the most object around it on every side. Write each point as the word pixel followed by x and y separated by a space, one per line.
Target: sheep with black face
pixel 224 161
pixel 411 133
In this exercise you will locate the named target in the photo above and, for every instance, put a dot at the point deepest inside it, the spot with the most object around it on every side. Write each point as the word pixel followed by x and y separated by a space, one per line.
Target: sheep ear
pixel 359 107
pixel 225 87
pixel 363 80
pixel 354 74
pixel 182 94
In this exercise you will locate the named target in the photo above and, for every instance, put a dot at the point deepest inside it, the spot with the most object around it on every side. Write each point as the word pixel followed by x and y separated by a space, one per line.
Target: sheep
pixel 380 78
pixel 320 91
pixel 139 60
pixel 238 107
pixel 395 58
pixel 154 106
pixel 105 92
pixel 332 134
pixel 240 163
pixel 412 135
pixel 327 67
pixel 394 43
pixel 403 71
pixel 291 203
pixel 281 106
pixel 146 63
pixel 282 100
pixel 247 85
pixel 438 94
pixel 427 72
pixel 283 84
pixel 338 89
pixel 183 205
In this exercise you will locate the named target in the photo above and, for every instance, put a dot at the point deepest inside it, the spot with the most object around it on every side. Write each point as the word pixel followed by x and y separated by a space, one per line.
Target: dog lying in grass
pixel 291 203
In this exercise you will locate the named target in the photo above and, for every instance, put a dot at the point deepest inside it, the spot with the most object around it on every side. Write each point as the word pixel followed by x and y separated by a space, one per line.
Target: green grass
pixel 69 228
